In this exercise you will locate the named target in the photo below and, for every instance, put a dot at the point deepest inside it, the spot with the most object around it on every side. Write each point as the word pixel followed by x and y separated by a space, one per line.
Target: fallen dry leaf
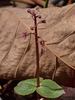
pixel 17 55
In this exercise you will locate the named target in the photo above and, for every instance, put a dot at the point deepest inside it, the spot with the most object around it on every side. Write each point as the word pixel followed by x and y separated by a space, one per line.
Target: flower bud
pixel 43 21
pixel 29 11
pixel 33 12
pixel 39 16
pixel 32 28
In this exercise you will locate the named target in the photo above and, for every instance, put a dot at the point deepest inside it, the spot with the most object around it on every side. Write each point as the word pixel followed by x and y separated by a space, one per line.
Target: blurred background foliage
pixel 33 3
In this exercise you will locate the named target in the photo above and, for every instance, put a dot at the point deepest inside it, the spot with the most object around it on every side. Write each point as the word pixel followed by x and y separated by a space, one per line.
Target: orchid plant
pixel 45 88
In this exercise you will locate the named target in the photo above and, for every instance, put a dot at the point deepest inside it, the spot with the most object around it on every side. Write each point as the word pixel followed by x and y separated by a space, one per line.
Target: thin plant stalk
pixel 37 53
pixel 46 3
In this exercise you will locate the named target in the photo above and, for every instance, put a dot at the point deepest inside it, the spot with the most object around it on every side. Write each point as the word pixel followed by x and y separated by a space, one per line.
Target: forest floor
pixel 69 92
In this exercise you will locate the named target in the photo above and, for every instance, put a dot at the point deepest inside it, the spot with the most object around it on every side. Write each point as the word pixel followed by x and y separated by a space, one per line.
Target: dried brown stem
pixel 25 1
pixel 5 86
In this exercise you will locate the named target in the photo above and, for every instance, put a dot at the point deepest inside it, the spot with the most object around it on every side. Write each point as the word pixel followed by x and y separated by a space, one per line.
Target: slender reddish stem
pixel 37 52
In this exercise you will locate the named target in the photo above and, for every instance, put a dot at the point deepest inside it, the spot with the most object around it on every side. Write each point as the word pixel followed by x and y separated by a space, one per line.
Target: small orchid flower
pixel 42 43
pixel 24 34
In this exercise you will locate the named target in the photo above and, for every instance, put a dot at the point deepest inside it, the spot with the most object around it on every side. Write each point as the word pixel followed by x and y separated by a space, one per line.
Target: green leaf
pixel 51 84
pixel 27 87
pixel 49 89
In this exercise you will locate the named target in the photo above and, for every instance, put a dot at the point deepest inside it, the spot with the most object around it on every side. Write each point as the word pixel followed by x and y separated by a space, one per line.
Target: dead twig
pixel 5 86
pixel 25 1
